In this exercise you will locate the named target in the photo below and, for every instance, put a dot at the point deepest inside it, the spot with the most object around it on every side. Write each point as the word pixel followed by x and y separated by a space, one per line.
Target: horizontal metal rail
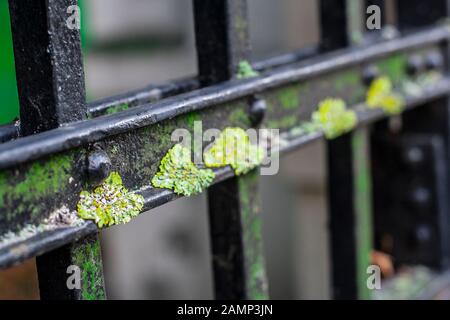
pixel 115 131
pixel 153 93
pixel 84 132
pixel 46 241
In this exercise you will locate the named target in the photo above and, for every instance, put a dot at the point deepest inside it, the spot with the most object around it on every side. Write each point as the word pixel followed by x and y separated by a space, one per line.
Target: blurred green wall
pixel 9 101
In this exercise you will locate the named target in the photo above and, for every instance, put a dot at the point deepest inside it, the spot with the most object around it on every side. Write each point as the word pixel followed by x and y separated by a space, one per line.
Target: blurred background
pixel 164 254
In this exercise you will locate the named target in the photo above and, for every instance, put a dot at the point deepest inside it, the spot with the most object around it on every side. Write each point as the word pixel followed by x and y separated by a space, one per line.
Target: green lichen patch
pixel 110 203
pixel 348 79
pixel 239 117
pixel 118 108
pixel 233 148
pixel 381 95
pixel 285 122
pixel 245 70
pixel 394 68
pixel 334 118
pixel 304 129
pixel 179 173
pixel 289 98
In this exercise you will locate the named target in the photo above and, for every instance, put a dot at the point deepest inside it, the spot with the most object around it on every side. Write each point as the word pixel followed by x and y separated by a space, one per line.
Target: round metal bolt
pixel 258 110
pixel 420 196
pixel 423 234
pixel 99 166
pixel 415 65
pixel 414 156
pixel 389 32
pixel 370 73
pixel 434 61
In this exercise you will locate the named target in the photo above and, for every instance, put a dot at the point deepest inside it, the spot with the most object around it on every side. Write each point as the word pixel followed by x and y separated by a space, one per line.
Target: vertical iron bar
pixel 349 198
pixel 221 29
pixel 416 13
pixel 434 117
pixel 50 75
pixel 72 272
pixel 235 222
pixel 333 24
pixel 50 80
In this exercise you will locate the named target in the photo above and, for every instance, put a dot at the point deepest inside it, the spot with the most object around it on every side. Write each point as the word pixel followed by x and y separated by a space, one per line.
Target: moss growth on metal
pixel 245 70
pixel 178 173
pixel 283 123
pixel 155 141
pixel 348 79
pixel 334 118
pixel 239 117
pixel 252 237
pixel 118 108
pixel 234 148
pixel 289 98
pixel 304 128
pixel 40 180
pixel 87 256
pixel 349 85
pixel 381 95
pixel 394 67
pixel 110 203
pixel 191 118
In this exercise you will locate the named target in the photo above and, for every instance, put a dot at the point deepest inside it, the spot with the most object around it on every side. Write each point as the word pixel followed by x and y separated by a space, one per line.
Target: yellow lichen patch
pixel 234 148
pixel 245 70
pixel 334 118
pixel 179 173
pixel 381 95
pixel 110 203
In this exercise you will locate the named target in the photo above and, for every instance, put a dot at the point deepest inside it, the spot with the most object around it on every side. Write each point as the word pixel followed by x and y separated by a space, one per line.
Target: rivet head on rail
pixel 414 156
pixel 423 234
pixel 370 73
pixel 99 166
pixel 434 61
pixel 415 65
pixel 389 32
pixel 258 110
pixel 420 196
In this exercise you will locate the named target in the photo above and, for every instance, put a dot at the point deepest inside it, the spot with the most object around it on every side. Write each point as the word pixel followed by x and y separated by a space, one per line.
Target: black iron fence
pixel 388 176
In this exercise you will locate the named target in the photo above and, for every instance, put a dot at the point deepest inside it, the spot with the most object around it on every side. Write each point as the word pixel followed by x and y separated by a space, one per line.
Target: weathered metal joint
pixel 258 108
pixel 415 65
pixel 99 166
pixel 370 73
